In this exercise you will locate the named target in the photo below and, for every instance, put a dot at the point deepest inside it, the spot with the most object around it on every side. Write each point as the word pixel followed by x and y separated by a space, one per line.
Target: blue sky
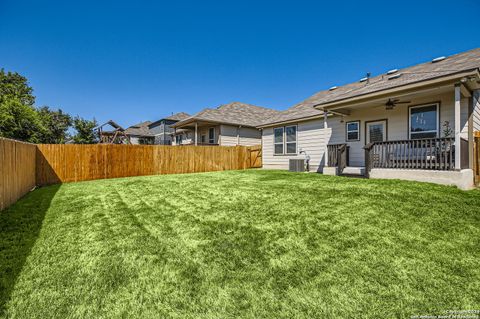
pixel 141 60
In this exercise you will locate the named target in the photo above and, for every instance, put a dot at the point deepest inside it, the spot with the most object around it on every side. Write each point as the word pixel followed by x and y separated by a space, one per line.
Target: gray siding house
pixel 414 123
pixel 227 125
pixel 158 132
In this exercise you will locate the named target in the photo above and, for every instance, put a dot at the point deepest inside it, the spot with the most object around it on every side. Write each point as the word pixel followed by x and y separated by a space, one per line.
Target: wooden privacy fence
pixel 17 170
pixel 255 156
pixel 73 163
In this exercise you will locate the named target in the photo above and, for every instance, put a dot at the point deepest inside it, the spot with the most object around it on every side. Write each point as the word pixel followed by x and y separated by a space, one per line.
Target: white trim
pixel 278 143
pixel 296 140
pixel 357 131
pixel 367 130
pixel 211 128
pixel 437 121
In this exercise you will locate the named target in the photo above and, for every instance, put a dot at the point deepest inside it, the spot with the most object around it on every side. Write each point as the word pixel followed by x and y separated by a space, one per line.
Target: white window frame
pixel 279 143
pixel 284 140
pixel 357 131
pixel 437 120
pixel 296 140
pixel 212 140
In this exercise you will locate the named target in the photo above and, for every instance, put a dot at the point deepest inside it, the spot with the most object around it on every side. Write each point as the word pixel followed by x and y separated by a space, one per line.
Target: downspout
pixel 325 127
pixel 238 134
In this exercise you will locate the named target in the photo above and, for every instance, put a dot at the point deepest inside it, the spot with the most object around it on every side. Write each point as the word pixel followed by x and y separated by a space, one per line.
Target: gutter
pixel 445 79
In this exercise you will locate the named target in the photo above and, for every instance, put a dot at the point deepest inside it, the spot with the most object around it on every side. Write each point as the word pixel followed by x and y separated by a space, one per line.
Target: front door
pixel 376 131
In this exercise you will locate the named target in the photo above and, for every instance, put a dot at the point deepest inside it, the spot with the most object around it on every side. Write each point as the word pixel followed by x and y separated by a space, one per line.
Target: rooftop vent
pixel 395 76
pixel 392 71
pixel 441 58
pixel 363 79
pixel 332 88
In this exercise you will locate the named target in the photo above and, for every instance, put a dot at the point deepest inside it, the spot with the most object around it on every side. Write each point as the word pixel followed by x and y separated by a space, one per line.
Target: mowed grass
pixel 240 244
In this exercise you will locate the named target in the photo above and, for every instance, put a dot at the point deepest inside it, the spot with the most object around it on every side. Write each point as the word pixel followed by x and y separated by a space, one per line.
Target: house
pixel 140 133
pixel 158 132
pixel 162 129
pixel 227 125
pixel 414 123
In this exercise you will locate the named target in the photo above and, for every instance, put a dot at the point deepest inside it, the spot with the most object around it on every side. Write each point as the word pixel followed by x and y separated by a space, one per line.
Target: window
pixel 203 139
pixel 178 139
pixel 285 140
pixel 423 121
pixel 291 140
pixel 211 135
pixel 353 131
pixel 278 140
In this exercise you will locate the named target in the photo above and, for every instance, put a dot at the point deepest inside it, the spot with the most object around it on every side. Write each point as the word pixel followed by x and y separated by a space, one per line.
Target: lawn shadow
pixel 20 226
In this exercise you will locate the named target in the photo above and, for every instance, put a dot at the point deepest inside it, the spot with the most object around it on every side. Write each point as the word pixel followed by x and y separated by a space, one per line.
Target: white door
pixel 376 131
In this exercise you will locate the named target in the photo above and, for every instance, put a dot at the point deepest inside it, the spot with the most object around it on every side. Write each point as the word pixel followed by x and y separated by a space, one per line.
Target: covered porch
pixel 424 134
pixel 197 133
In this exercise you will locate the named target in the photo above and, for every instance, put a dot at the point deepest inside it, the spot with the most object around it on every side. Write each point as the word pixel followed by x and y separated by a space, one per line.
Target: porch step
pixel 353 171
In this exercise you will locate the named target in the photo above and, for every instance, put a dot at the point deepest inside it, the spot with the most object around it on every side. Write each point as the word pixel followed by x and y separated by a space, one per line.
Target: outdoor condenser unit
pixel 296 165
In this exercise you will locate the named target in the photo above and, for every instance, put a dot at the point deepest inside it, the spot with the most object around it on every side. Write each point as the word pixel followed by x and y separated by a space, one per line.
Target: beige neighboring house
pixel 227 125
pixel 140 133
pixel 414 123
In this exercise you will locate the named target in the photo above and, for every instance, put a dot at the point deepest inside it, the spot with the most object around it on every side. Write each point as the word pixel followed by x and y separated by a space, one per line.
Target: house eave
pixel 193 120
pixel 299 119
pixel 426 84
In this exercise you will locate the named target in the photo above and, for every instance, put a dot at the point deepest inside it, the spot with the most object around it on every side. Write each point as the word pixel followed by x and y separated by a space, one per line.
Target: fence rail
pixel 17 170
pixel 73 163
pixel 338 156
pixel 429 154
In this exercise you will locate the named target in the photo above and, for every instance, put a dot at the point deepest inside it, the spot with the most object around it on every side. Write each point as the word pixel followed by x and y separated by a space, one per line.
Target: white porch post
pixel 325 127
pixel 196 133
pixel 457 126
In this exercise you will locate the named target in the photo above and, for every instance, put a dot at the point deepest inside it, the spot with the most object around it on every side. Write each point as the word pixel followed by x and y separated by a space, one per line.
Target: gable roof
pixel 139 129
pixel 112 124
pixel 461 62
pixel 235 113
pixel 178 116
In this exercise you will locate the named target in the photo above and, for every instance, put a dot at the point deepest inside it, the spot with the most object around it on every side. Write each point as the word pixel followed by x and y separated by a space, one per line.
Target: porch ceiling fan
pixel 391 103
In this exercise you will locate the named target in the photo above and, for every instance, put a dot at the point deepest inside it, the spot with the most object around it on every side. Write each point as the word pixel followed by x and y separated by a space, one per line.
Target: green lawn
pixel 250 244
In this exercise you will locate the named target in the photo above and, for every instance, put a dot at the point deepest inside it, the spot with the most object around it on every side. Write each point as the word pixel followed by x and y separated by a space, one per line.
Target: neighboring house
pixel 158 132
pixel 140 133
pixel 162 129
pixel 228 125
pixel 414 123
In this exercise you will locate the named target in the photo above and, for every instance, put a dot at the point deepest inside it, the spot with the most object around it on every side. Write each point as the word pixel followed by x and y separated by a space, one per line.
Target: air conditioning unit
pixel 296 165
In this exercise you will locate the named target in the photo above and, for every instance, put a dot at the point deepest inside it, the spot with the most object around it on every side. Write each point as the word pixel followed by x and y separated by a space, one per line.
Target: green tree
pixel 15 86
pixel 20 121
pixel 18 117
pixel 56 125
pixel 85 133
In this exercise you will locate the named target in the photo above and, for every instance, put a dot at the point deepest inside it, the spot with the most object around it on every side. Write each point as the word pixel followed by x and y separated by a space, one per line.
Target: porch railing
pixel 338 156
pixel 427 154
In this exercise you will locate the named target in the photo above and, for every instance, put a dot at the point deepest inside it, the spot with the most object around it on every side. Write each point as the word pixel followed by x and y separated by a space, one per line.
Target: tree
pixel 20 121
pixel 15 86
pixel 56 125
pixel 85 133
pixel 18 117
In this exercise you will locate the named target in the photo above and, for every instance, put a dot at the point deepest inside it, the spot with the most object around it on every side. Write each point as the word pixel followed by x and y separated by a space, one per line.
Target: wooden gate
pixel 255 154
pixel 476 158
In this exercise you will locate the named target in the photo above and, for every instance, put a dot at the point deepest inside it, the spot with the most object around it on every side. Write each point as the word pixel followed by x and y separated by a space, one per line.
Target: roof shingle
pixel 464 61
pixel 235 113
